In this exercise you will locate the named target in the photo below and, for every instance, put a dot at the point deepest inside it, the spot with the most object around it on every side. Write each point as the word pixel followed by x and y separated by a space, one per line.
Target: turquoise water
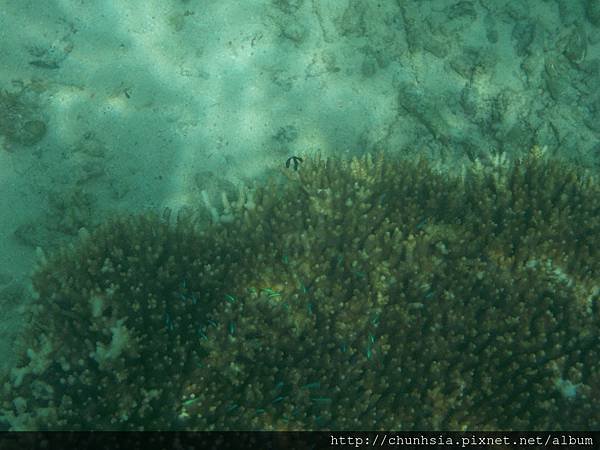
pixel 119 107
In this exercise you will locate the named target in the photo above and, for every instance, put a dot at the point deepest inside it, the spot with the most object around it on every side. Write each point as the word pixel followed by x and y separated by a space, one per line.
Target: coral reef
pixel 368 294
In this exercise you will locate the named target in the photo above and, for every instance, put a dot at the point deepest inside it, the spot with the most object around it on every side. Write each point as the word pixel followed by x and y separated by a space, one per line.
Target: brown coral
pixel 371 294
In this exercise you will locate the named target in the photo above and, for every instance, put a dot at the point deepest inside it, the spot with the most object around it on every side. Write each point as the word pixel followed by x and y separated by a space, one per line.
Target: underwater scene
pixel 300 215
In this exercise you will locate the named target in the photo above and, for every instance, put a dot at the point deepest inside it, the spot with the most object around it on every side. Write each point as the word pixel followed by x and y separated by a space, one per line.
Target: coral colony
pixel 368 294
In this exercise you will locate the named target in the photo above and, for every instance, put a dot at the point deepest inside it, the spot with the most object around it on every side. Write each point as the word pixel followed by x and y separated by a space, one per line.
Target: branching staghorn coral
pixel 368 294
